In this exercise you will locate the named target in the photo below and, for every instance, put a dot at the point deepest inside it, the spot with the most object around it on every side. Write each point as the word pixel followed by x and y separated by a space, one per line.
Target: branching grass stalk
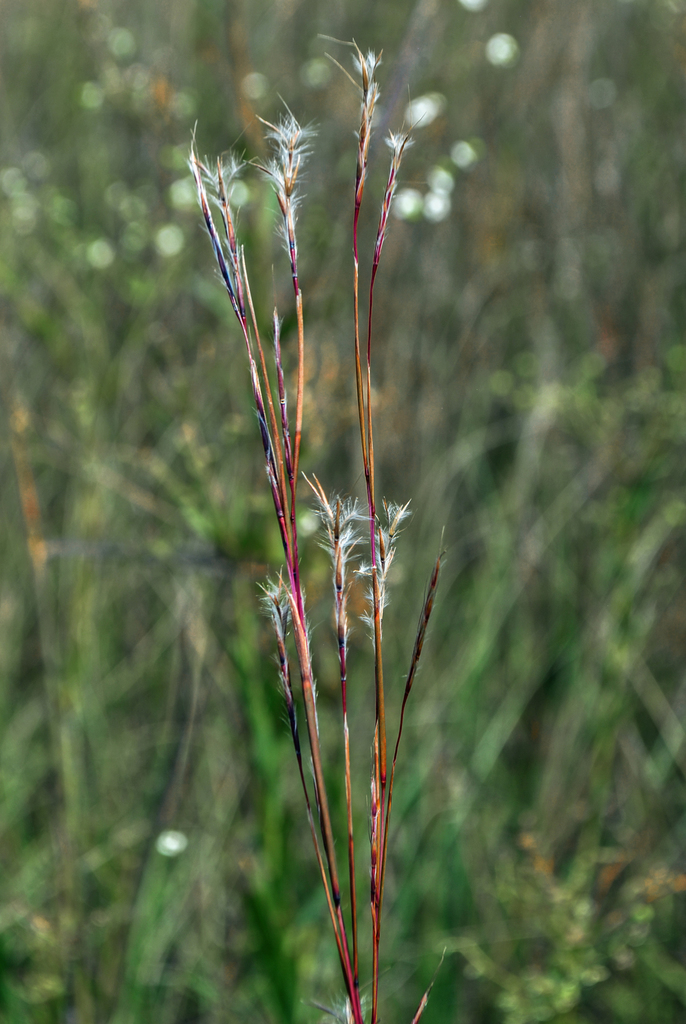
pixel 284 600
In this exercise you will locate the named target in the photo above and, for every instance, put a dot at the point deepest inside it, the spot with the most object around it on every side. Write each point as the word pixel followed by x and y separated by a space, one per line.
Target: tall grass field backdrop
pixel 525 391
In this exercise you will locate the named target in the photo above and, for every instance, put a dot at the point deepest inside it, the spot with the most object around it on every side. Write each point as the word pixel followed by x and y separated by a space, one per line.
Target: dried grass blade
pixel 425 997
pixel 420 636
pixel 281 476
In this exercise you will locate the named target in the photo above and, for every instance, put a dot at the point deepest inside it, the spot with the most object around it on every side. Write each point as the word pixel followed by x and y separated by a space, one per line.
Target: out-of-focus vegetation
pixel 531 398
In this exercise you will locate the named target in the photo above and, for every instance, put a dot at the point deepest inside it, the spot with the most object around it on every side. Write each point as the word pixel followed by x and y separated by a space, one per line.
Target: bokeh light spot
pixel 182 195
pixel 408 204
pixel 440 181
pixel 92 96
pixel 436 206
pixel 466 152
pixel 24 213
pixel 36 165
pixel 121 43
pixel 316 73
pixel 12 181
pixel 169 240
pixel 425 109
pixel 171 843
pixel 254 86
pixel 100 254
pixel 502 50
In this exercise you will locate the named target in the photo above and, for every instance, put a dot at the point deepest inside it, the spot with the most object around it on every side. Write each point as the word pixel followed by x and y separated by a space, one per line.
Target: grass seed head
pixel 291 145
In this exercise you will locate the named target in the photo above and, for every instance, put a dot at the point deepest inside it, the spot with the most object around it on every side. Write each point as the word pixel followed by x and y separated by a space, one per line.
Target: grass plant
pixel 341 519
pixel 528 372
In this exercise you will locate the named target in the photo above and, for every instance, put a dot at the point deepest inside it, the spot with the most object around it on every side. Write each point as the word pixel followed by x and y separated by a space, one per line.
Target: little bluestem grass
pixel 344 522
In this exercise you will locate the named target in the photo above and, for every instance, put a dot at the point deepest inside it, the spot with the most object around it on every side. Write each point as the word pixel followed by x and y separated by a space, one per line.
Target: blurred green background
pixel 530 397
